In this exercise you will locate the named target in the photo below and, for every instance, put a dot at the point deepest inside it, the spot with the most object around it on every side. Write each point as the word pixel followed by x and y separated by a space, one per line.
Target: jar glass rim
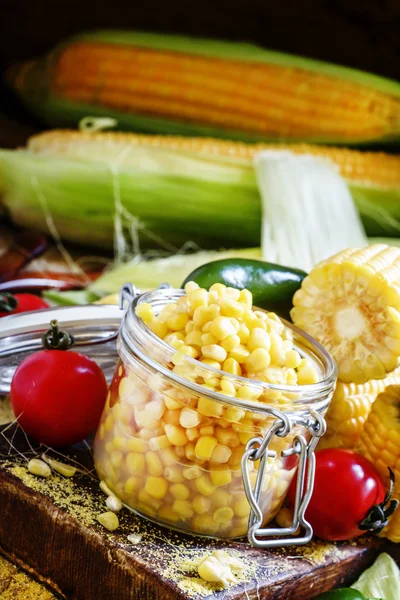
pixel 314 392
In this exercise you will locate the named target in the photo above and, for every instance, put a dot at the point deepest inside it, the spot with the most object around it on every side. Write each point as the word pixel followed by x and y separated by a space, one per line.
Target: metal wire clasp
pixel 258 449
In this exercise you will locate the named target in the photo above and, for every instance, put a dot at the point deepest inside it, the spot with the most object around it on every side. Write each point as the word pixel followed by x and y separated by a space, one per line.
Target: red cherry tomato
pixel 346 488
pixel 24 303
pixel 58 396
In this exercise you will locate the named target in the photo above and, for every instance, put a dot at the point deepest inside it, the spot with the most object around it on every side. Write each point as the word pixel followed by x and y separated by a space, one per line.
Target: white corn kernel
pixel 113 503
pixel 39 467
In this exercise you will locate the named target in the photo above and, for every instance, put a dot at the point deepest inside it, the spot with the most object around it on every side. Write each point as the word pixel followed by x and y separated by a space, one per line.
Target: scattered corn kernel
pixel 40 468
pixel 109 520
pixel 113 503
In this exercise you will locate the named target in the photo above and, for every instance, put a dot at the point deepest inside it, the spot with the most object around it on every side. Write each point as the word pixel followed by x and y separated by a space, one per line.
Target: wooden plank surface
pixel 49 527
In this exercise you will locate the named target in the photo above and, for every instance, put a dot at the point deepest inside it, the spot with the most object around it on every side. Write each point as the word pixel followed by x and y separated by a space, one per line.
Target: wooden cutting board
pixel 49 528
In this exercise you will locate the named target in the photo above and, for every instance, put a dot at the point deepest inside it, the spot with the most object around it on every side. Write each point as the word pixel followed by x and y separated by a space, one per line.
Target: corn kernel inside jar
pixel 174 455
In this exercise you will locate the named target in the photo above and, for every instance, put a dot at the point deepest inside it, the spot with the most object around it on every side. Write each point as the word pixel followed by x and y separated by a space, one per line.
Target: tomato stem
pixel 54 339
pixel 377 517
pixel 7 302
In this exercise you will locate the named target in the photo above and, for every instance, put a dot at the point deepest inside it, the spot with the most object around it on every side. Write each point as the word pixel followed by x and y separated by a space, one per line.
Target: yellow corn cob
pixel 73 174
pixel 380 443
pixel 351 304
pixel 349 409
pixel 167 84
pixel 358 168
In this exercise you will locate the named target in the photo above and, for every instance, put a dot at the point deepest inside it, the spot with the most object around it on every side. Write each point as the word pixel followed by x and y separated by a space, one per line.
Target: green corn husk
pixel 147 274
pixel 137 191
pixel 33 82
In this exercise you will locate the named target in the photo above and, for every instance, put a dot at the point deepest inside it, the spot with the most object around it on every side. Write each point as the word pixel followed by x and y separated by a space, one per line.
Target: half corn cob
pixel 169 84
pixel 349 410
pixel 168 190
pixel 380 443
pixel 351 304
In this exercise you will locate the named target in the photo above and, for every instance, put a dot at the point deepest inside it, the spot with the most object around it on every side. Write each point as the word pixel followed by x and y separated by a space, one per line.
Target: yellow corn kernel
pixel 246 298
pixel 210 363
pixel 222 327
pixel 176 435
pixel 116 459
pixel 241 507
pixel 147 510
pixel 221 454
pixel 236 458
pixel 307 374
pixel 231 308
pixel 109 422
pixel 189 451
pixel 135 463
pixel 159 442
pixel 197 298
pixel 166 513
pixel 204 485
pixel 176 344
pixel 131 485
pixel 208 339
pixel 223 515
pixel 173 473
pixel 207 430
pixel 192 434
pixel 210 408
pixel 204 524
pixel 193 472
pixel 245 437
pixel 179 491
pixel 170 402
pixel 259 339
pixel 205 446
pixel 180 451
pixel 194 338
pixel 178 322
pixel 173 337
pixel 221 497
pixel 156 487
pixel 292 359
pixel 183 508
pixel 232 366
pixel 145 312
pixel 189 327
pixel 227 387
pixel 154 464
pixel 220 477
pixel 190 286
pixel 240 354
pixel 201 504
pixel 203 314
pixel 230 343
pixel 214 352
pixel 219 288
pixel 158 327
pixel 172 417
pixel 188 418
pixel 249 392
pixel 227 437
pixel 258 360
pixel 233 414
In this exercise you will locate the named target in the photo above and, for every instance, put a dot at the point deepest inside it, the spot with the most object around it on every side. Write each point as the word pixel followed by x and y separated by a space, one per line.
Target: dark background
pixel 357 33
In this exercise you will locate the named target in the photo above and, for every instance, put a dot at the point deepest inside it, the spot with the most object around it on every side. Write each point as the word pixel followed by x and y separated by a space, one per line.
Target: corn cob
pixel 349 410
pixel 380 443
pixel 167 84
pixel 351 304
pixel 74 175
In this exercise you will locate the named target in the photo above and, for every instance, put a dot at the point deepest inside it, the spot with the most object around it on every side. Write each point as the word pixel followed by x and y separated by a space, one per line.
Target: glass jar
pixel 184 455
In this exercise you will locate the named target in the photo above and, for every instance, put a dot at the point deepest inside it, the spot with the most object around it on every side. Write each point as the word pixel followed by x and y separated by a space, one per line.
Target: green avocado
pixel 272 285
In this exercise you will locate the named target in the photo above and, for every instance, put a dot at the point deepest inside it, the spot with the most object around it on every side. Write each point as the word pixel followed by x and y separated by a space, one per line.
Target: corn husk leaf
pixel 382 580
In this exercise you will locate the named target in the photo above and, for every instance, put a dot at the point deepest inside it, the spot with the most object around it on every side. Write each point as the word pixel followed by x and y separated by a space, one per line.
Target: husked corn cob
pixel 349 410
pixel 168 84
pixel 380 443
pixel 351 304
pixel 76 174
